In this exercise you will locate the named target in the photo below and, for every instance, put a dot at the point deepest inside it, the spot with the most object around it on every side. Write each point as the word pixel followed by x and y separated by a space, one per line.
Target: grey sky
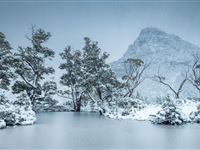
pixel 114 24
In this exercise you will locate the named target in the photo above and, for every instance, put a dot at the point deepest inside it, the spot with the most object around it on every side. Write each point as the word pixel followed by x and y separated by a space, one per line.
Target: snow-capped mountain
pixel 167 53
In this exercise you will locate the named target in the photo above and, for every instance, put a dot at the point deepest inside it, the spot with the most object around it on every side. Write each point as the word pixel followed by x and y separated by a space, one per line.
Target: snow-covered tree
pixel 98 77
pixel 87 76
pixel 49 88
pixel 73 76
pixel 46 100
pixel 168 114
pixel 130 105
pixel 30 65
pixel 135 69
pixel 22 100
pixel 5 62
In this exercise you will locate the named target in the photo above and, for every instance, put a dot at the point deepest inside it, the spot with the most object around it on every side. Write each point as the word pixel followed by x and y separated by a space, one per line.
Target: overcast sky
pixel 115 25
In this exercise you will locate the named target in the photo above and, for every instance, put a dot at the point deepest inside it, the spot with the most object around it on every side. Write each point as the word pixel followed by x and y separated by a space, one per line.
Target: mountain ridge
pixel 167 52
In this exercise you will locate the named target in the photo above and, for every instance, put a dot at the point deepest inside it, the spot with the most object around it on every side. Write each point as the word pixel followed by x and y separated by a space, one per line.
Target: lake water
pixel 83 130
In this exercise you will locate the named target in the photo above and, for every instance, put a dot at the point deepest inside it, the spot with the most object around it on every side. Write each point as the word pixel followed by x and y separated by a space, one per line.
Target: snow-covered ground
pixel 147 112
pixel 143 114
pixel 185 107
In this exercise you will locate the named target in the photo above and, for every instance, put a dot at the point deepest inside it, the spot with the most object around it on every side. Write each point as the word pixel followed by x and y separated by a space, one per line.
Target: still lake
pixel 87 130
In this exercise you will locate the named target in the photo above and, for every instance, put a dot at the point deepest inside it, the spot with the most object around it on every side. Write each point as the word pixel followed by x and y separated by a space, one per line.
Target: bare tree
pixel 195 76
pixel 161 79
pixel 134 76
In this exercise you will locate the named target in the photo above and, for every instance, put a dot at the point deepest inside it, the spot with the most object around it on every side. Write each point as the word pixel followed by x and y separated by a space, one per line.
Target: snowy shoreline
pixel 186 108
pixel 21 115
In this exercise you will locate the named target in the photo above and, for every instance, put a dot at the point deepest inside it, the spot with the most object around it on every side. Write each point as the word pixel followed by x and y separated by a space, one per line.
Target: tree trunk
pixel 78 104
pixel 177 95
pixel 73 98
pixel 99 93
pixel 78 108
pixel 32 99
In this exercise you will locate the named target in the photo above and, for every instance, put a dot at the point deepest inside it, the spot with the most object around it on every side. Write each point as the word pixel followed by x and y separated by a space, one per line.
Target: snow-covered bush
pixel 130 105
pixel 24 116
pixel 124 108
pixel 22 100
pixel 17 113
pixel 195 116
pixel 169 114
pixel 8 116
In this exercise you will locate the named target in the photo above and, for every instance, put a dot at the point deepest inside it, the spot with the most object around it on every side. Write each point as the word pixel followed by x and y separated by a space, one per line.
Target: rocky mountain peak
pixel 153 40
pixel 155 35
pixel 166 52
pixel 152 31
